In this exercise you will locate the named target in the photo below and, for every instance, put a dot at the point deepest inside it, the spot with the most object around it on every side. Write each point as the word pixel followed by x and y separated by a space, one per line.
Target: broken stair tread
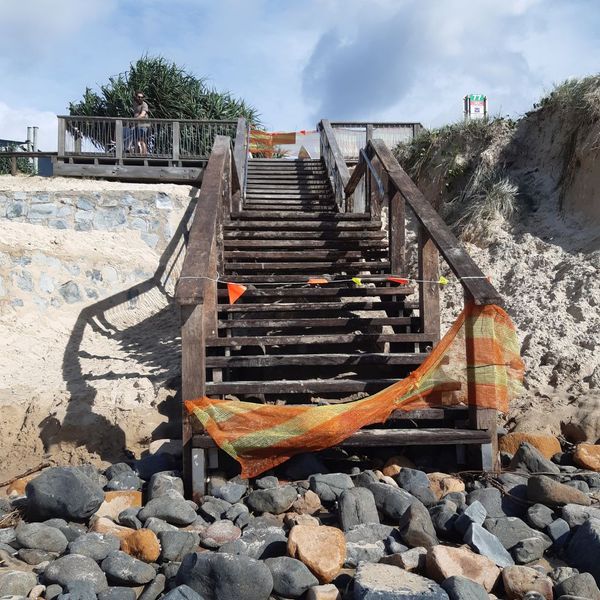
pixel 331 339
pixel 302 386
pixel 357 322
pixel 335 359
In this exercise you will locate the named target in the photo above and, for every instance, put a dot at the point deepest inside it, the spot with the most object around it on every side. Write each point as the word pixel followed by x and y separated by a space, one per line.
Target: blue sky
pixel 300 60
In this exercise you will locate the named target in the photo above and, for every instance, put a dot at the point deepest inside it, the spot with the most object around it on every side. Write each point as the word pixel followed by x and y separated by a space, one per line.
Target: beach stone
pixel 582 585
pixel 105 525
pixel 409 479
pixel 461 588
pixel 302 466
pixel 443 516
pixel 587 456
pixel 369 532
pixel 41 537
pixel 160 483
pixel 395 464
pixel 16 583
pixel 583 549
pixel 442 484
pixel 511 530
pixel 539 516
pixel 330 486
pixel 559 531
pixel 474 513
pixel 232 491
pixel 123 569
pixel 70 530
pixel 446 561
pixel 115 502
pixel 392 502
pixel 308 504
pixel 488 545
pixel 117 468
pixel 53 591
pixel 175 511
pixel 37 591
pixel 75 567
pixel 491 499
pixel 527 458
pixel 545 490
pixel 258 543
pixel 414 559
pixel 63 492
pixel 290 519
pixel 291 578
pixel 357 552
pixel 117 593
pixel 274 500
pixel 128 518
pixel 142 544
pixel 125 481
pixel 575 514
pixel 267 482
pixel 323 592
pixel 181 592
pixel 321 549
pixel 95 545
pixel 158 525
pixel 216 576
pixel 416 528
pixel 356 506
pixel 457 498
pixel 79 590
pixel 7 535
pixel 518 581
pixel 219 533
pixel 33 556
pixel 154 589
pixel 528 550
pixel 176 544
pixel 386 582
pixel 547 445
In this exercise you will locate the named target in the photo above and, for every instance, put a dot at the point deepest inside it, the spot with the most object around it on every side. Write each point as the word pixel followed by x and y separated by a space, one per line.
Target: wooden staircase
pixel 273 224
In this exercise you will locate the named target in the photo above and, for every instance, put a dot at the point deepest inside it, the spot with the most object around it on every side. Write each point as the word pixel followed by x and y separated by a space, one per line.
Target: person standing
pixel 140 111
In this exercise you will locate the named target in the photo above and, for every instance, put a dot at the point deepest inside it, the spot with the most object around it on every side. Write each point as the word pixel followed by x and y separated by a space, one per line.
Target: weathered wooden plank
pixel 307 216
pixel 328 234
pixel 316 306
pixel 187 175
pixel 325 292
pixel 397 232
pixel 366 245
pixel 302 386
pixel 356 322
pixel 293 225
pixel 309 267
pixel 304 255
pixel 429 289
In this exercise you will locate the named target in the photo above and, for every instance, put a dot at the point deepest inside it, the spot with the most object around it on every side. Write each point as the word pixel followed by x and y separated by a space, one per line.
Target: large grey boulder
pixel 41 537
pixel 291 577
pixel 461 588
pixel 391 501
pixel 273 500
pixel 530 460
pixel 95 545
pixel 123 569
pixel 583 549
pixel 329 487
pixel 16 583
pixel 75 567
pixel 357 506
pixel 63 492
pixel 171 508
pixel 487 544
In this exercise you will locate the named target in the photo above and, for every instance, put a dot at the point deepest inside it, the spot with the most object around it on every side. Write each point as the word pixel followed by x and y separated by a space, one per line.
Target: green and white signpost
pixel 475 106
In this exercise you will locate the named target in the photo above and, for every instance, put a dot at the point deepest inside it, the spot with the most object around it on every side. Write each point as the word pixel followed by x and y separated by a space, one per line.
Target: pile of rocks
pixel 398 533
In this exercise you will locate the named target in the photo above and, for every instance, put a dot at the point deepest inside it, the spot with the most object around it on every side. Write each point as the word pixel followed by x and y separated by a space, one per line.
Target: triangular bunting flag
pixel 442 280
pixel 317 280
pixel 357 280
pixel 235 290
pixel 399 280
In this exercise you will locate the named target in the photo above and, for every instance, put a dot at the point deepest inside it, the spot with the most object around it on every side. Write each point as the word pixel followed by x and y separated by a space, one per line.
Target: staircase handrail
pixel 335 163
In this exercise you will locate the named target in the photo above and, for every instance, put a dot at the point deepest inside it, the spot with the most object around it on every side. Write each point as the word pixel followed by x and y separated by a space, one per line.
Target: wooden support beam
pixel 119 139
pixel 176 140
pixel 397 231
pixel 429 289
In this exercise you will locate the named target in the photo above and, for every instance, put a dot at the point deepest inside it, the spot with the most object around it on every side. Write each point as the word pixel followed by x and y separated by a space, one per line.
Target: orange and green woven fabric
pixel 262 436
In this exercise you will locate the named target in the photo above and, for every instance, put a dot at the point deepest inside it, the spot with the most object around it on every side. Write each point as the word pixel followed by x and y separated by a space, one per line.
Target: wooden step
pixel 302 386
pixel 333 339
pixel 275 225
pixel 312 307
pixel 303 255
pixel 329 234
pixel 315 268
pixel 332 245
pixel 284 195
pixel 348 322
pixel 316 360
pixel 290 207
pixel 326 291
pixel 307 216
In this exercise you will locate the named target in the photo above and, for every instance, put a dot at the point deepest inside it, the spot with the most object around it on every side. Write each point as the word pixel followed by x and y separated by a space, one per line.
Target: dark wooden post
pixel 396 230
pixel 429 292
pixel 13 165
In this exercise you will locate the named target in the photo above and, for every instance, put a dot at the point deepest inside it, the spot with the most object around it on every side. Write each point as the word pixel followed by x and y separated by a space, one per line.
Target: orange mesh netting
pixel 262 436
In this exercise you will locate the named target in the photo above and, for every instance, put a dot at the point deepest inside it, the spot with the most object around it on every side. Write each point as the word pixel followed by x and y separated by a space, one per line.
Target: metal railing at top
pixel 171 139
pixel 353 136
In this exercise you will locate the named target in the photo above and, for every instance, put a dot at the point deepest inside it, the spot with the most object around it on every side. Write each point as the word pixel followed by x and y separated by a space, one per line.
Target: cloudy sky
pixel 300 60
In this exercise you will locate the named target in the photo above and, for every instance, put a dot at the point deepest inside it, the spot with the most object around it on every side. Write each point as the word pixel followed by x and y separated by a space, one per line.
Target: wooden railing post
pixel 62 133
pixel 176 140
pixel 119 139
pixel 396 230
pixel 479 418
pixel 429 291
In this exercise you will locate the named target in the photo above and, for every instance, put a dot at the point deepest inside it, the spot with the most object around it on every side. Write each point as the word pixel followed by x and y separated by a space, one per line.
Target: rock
pixel 488 545
pixel 37 591
pixel 520 580
pixel 70 530
pixel 329 487
pixel 233 491
pixel 583 549
pixel 559 531
pixel 141 544
pixel 442 484
pixel 117 593
pixel 582 585
pixel 491 499
pixel 33 556
pixel 158 525
pixel 357 552
pixel 414 559
pixel 446 561
pixel 546 445
pixel 416 528
pixel 474 513
pixel 575 514
pixel 527 458
pixel 409 479
pixel 105 525
pixel 128 518
pixel 369 533
pixel 323 592
pixel 125 481
pixel 79 590
pixel 356 506
pixel 258 543
pixel 395 464
pixel 386 582
pixel 528 550
pixel 511 530
pixel 41 537
pixel 275 500
pixel 16 583
pixel 461 588
pixel 539 516
pixel 266 483
pixel 160 483
pixel 123 569
pixel 54 590
pixel 176 544
pixel 181 592
pixel 545 490
pixel 302 466
pixel 155 463
pixel 443 516
pixel 7 535
pixel 391 501
pixel 291 578
pixel 175 511
pixel 118 501
pixel 587 456
pixel 155 588
pixel 290 519
pixel 219 533
pixel 63 492
pixel 308 504
pixel 321 549
pixel 95 545
pixel 75 567
pixel 117 468
pixel 216 576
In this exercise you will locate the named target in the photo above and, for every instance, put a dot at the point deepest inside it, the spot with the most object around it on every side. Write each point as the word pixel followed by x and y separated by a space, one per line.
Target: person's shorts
pixel 141 133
